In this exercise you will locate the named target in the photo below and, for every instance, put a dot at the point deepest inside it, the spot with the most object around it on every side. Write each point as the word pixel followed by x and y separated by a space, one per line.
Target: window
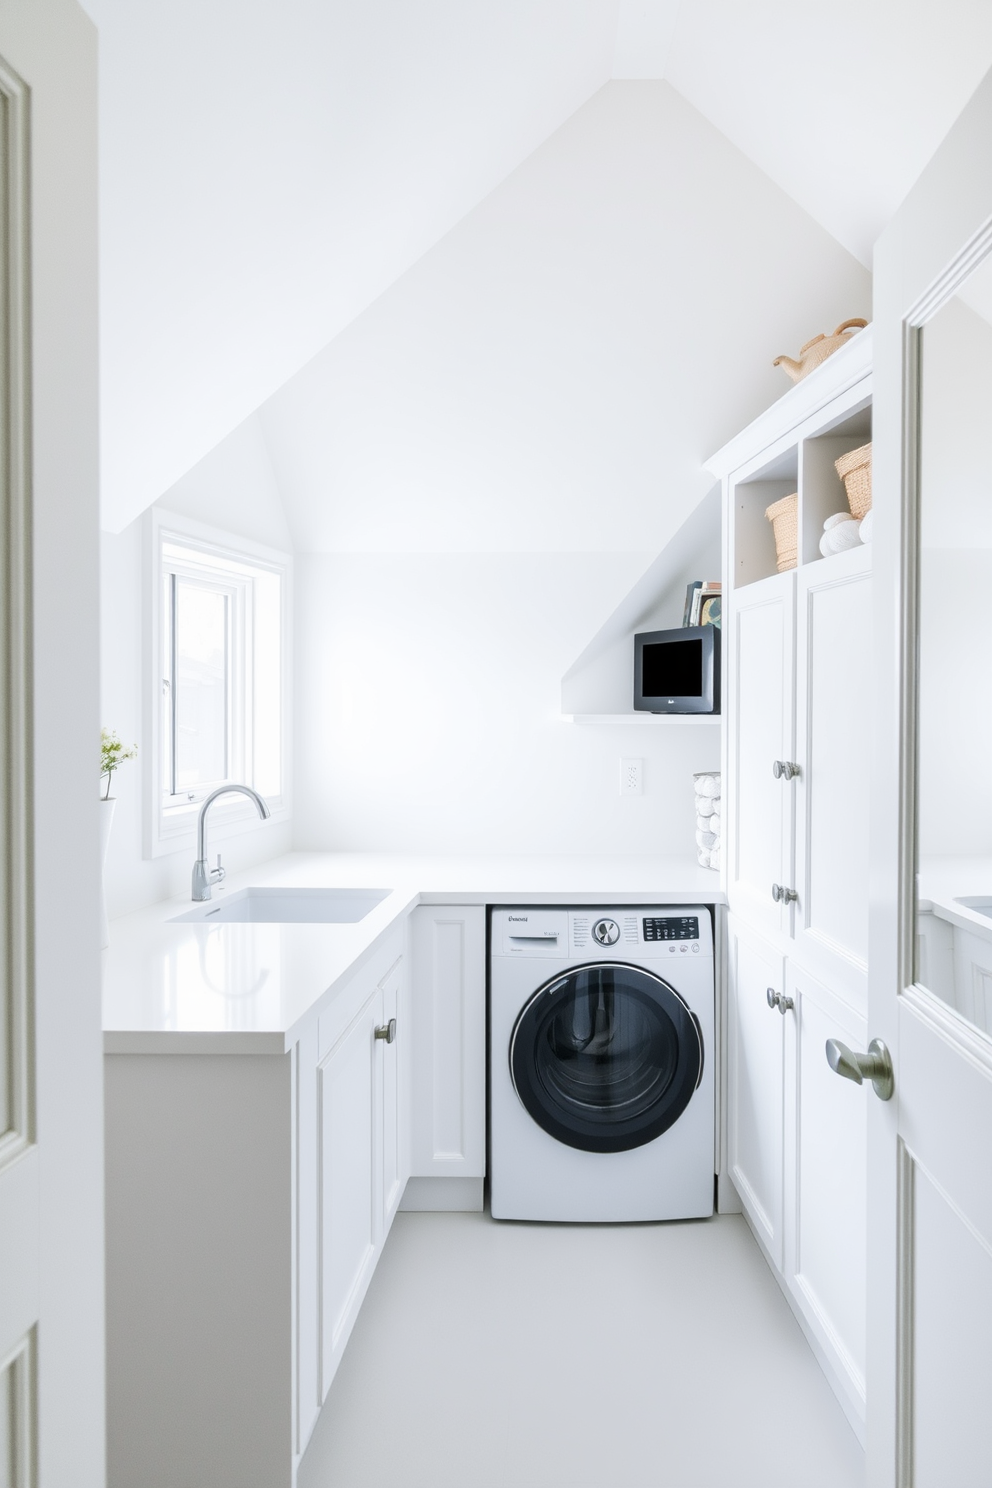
pixel 218 677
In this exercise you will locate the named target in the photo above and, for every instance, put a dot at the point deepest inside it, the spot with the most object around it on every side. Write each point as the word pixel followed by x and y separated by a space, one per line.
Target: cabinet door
pixel 448 1116
pixel 760 706
pixel 756 1083
pixel 833 671
pixel 826 1160
pixel 350 1168
pixel 394 1166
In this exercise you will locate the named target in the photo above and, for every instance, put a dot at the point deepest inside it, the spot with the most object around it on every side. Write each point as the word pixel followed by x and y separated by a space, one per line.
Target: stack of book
pixel 702 603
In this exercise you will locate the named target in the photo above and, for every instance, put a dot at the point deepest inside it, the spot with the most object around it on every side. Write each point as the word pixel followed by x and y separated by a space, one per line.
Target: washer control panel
pixel 606 932
pixel 630 933
pixel 670 927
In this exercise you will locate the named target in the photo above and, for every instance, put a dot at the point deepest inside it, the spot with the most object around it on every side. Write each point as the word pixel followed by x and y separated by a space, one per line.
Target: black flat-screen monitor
pixel 677 671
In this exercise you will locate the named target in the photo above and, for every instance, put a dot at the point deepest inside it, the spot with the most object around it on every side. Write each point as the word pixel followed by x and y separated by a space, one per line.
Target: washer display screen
pixel 606 1057
pixel 685 927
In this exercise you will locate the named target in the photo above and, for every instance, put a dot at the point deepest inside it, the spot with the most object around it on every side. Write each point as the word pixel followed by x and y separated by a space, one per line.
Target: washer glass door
pixel 606 1057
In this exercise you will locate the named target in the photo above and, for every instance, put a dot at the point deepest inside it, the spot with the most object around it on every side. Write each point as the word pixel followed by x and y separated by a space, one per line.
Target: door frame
pixel 941 231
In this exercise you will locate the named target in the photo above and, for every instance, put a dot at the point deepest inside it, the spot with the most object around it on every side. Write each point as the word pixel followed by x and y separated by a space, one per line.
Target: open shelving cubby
pixel 598 686
pixel 792 448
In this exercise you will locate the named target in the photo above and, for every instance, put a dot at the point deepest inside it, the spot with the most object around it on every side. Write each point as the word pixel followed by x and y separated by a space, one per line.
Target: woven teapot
pixel 817 350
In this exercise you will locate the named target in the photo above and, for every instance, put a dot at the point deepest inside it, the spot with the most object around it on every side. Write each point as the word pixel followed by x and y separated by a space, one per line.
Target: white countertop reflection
pixel 247 988
pixel 942 882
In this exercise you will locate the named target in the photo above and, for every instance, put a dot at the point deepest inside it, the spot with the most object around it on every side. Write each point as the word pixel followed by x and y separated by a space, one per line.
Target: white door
pixel 825 1181
pixel 832 796
pixel 761 679
pixel 350 1167
pixel 930 1179
pixel 756 1081
pixel 448 1014
pixel 51 1203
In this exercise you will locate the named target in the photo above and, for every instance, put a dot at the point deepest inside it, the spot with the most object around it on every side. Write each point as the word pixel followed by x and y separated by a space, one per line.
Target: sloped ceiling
pixel 268 171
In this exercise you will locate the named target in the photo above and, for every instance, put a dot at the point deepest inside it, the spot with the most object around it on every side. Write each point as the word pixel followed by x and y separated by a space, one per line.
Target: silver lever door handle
pixel 778 1000
pixel 386 1031
pixel 785 770
pixel 875 1066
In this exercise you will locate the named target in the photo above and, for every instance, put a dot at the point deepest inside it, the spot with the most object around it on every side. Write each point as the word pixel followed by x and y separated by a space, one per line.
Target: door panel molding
pixel 18 1404
pixel 17 1118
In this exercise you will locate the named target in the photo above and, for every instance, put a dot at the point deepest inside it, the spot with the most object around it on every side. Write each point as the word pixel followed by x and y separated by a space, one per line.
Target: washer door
pixel 606 1057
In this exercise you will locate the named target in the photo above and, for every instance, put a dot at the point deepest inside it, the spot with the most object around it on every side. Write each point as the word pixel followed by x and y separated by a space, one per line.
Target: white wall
pixel 553 374
pixel 429 720
pixel 319 150
pixel 233 489
pixel 492 454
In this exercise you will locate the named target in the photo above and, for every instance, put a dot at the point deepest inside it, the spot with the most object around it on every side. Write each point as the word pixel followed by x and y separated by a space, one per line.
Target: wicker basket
pixel 784 517
pixel 854 470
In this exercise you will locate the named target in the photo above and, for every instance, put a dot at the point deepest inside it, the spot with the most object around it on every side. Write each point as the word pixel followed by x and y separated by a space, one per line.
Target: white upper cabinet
pixel 797 678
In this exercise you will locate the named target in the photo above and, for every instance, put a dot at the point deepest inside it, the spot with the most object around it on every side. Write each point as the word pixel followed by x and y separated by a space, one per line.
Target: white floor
pixel 493 1355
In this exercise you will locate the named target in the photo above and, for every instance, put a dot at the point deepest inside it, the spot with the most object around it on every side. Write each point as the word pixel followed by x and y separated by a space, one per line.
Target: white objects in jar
pixel 707 790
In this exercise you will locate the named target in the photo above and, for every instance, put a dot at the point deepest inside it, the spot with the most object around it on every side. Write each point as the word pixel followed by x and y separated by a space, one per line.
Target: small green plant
pixel 112 756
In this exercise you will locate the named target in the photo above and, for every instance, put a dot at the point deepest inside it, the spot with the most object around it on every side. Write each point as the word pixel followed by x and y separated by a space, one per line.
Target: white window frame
pixel 229 562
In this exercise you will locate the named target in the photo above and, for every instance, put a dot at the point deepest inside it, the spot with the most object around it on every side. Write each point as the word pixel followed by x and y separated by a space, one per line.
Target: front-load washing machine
pixel 601 1063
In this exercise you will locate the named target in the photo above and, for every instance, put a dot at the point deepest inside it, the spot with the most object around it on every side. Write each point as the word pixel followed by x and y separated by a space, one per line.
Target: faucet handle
pixel 218 874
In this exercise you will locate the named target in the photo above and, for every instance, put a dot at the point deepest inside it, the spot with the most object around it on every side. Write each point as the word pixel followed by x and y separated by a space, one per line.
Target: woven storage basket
pixel 854 470
pixel 784 517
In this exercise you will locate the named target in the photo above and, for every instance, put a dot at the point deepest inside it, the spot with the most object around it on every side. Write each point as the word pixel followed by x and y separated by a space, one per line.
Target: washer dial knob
pixel 606 932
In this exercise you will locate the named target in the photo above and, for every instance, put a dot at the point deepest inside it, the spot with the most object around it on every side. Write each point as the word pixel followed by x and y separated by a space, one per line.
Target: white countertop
pixel 944 881
pixel 244 988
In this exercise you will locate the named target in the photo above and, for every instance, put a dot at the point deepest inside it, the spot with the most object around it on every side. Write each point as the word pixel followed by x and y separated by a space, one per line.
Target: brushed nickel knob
pixel 386 1031
pixel 785 770
pixel 875 1066
pixel 778 1000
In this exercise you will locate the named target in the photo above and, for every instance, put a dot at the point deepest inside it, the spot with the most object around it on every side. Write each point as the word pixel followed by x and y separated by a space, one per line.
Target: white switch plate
pixel 631 777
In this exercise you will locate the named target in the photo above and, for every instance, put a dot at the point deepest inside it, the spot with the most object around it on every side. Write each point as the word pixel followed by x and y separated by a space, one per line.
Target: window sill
pixel 223 823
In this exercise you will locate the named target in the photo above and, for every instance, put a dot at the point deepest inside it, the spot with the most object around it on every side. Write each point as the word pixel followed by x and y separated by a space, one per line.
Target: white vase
pixel 106 822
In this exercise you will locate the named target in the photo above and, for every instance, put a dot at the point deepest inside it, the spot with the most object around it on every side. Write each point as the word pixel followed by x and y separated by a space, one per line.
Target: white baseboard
pixel 443 1194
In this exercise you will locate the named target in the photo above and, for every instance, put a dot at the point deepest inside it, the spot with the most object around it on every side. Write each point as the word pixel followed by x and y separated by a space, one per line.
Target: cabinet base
pixel 424 1195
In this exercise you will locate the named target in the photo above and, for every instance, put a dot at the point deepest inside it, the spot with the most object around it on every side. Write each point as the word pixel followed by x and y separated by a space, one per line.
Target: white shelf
pixel 641 718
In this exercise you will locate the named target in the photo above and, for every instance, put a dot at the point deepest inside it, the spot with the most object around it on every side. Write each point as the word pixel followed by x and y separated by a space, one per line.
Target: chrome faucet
pixel 203 877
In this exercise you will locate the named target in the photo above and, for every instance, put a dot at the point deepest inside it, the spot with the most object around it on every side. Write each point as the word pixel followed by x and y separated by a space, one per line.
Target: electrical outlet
pixel 631 777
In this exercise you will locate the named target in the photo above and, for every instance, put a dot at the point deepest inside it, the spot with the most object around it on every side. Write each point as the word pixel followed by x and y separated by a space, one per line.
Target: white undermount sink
pixel 287 906
pixel 980 904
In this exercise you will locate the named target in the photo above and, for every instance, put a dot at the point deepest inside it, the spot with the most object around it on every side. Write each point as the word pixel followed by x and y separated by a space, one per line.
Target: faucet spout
pixel 203 877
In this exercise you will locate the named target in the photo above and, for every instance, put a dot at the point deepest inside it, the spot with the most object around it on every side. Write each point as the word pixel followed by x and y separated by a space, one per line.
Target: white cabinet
pixel 448 1115
pixel 797 683
pixel 826 1181
pixel 349 1102
pixel 248 1200
pixel 361 1145
pixel 249 1196
pixel 760 670
pixel 756 1082
pixel 831 792
pixel 799 679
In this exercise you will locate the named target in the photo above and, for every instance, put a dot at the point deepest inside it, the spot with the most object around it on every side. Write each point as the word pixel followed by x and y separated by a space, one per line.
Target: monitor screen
pixel 673 669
